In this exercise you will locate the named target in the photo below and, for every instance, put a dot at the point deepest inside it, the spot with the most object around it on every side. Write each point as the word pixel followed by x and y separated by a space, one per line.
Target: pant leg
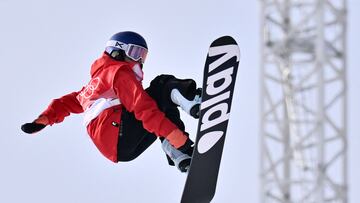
pixel 133 138
pixel 157 88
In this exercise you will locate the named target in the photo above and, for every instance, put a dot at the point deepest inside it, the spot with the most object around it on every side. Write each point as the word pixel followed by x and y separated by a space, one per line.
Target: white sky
pixel 46 49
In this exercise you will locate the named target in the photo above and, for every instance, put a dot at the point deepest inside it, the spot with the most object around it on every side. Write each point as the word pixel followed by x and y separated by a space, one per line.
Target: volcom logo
pixel 216 109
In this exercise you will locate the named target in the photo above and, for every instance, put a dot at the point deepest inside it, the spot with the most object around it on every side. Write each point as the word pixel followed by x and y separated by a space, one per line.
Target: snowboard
pixel 217 91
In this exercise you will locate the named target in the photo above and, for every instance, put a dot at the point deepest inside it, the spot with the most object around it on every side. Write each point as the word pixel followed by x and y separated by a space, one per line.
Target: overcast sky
pixel 46 49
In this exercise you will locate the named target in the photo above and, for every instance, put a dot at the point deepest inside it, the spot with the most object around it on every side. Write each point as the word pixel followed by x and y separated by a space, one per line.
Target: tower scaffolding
pixel 303 101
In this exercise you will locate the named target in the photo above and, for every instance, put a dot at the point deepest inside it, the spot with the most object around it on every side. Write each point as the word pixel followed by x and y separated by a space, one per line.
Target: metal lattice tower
pixel 303 102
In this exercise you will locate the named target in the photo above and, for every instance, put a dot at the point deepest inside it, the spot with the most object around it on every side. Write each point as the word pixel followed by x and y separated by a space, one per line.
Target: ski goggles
pixel 133 51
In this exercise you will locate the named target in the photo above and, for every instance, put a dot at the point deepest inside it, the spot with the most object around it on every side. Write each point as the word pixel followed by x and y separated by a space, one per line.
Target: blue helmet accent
pixel 130 37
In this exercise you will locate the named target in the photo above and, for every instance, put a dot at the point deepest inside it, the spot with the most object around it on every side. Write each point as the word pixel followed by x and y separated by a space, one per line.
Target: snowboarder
pixel 121 117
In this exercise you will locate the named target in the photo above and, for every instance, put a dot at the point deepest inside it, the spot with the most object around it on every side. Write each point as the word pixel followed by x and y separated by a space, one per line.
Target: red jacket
pixel 111 79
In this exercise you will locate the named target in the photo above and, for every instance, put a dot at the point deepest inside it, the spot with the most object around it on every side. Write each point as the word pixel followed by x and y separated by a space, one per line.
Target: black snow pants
pixel 133 138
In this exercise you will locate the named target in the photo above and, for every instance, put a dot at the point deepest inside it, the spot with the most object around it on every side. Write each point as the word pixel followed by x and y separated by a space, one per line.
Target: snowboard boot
pixel 192 106
pixel 183 93
pixel 195 110
pixel 180 160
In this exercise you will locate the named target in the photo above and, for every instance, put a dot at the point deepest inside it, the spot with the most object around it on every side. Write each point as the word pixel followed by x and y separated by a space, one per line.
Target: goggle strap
pixel 117 44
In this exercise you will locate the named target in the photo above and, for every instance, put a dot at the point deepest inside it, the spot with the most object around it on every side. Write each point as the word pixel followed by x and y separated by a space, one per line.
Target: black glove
pixel 32 127
pixel 186 147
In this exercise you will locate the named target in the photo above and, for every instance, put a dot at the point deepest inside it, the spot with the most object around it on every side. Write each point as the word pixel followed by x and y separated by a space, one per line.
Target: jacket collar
pixel 106 61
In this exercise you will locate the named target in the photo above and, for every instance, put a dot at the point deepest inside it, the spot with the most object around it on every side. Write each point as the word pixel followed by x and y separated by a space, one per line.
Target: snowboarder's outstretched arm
pixel 55 113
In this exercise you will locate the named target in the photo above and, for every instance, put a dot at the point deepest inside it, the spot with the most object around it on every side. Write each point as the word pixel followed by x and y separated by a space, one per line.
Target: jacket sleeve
pixel 136 100
pixel 62 107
